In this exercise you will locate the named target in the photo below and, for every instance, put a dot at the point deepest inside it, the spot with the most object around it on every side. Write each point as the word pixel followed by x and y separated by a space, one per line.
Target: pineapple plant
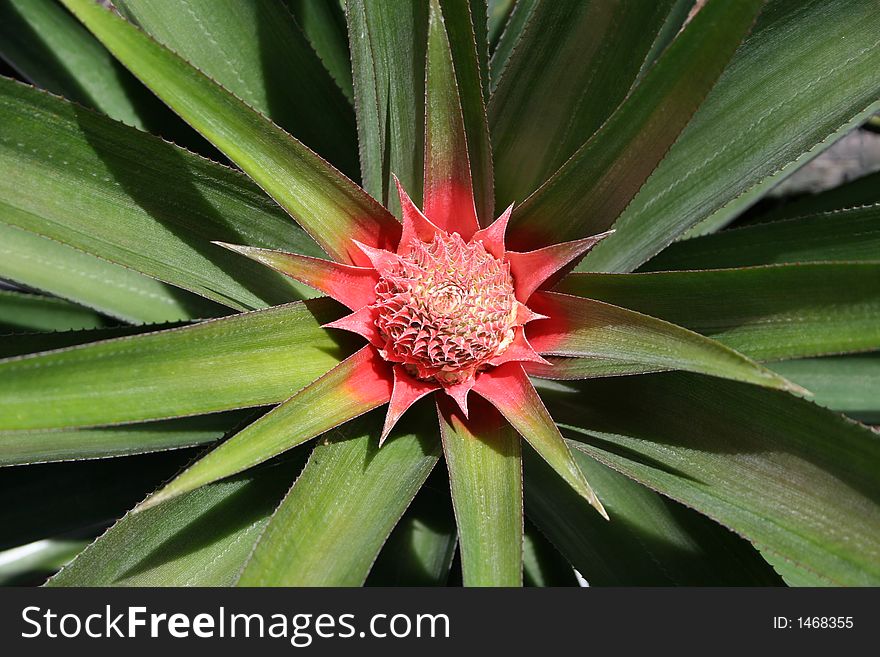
pixel 426 292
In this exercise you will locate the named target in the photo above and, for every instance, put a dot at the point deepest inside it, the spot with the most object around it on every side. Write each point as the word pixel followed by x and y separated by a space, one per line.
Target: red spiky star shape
pixel 447 309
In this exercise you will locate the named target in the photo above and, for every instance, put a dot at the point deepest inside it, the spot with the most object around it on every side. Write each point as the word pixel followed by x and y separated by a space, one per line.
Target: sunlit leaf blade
pixel 797 480
pixel 766 313
pixel 468 54
pixel 119 194
pixel 33 312
pixel 330 527
pixel 807 72
pixel 729 213
pixel 588 193
pixel 448 193
pixel 324 26
pixel 586 328
pixel 326 204
pixel 485 474
pixel 257 51
pixel 62 497
pixel 31 564
pixel 420 550
pixel 837 235
pixel 388 64
pixel 23 344
pixel 848 384
pixel 44 264
pixel 51 49
pixel 250 359
pixel 509 390
pixel 543 565
pixel 357 385
pixel 202 538
pixel 651 540
pixel 27 447
pixel 566 368
pixel 572 65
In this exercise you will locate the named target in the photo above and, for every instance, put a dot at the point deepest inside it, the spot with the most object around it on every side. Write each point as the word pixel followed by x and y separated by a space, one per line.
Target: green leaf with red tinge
pixel 586 328
pixel 766 313
pixel 357 385
pixel 251 359
pixel 352 286
pixel 588 193
pixel 336 517
pixel 799 481
pixel 509 390
pixel 331 208
pixel 463 21
pixel 448 192
pixel 485 473
pixel 573 63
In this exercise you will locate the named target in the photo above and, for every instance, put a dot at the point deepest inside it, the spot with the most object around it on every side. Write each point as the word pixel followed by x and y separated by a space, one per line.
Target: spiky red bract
pixel 445 307
pixel 533 269
pixel 371 381
pixel 349 285
pixel 407 391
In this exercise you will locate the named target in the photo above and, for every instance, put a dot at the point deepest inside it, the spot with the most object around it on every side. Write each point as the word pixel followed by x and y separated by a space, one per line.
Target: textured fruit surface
pixel 446 309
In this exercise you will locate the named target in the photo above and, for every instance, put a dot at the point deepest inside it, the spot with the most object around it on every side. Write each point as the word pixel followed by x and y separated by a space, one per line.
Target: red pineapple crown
pixel 446 309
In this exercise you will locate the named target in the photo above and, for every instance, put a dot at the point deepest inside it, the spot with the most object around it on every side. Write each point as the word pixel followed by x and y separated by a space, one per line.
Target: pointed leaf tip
pixel 349 285
pixel 508 389
pixel 361 322
pixel 580 327
pixel 534 269
pixel 415 224
pixel 407 391
pixel 493 235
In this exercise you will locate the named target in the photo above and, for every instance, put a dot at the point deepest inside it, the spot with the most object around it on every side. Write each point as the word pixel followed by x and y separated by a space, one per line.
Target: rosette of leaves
pixel 236 353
